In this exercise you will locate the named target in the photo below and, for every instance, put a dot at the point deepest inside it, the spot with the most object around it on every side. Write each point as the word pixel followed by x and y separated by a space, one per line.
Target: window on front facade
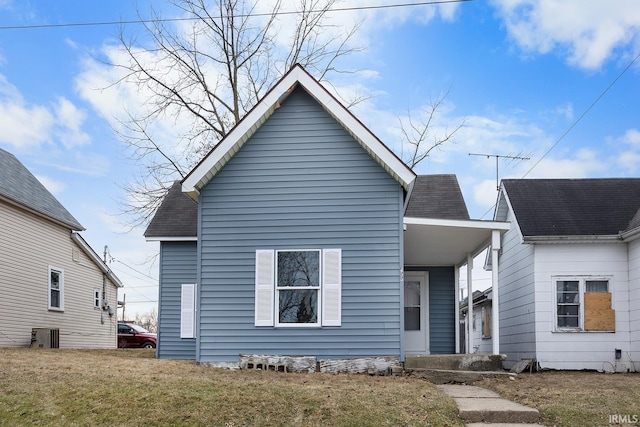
pixel 56 289
pixel 584 303
pixel 298 287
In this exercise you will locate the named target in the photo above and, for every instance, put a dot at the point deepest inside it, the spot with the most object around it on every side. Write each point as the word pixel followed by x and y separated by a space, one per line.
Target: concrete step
pixel 479 405
pixel 448 376
pixel 464 362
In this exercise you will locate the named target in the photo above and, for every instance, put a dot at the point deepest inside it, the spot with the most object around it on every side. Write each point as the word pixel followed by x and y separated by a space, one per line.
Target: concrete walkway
pixel 479 407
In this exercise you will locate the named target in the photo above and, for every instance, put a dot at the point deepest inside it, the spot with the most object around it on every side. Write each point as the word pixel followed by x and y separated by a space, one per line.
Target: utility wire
pixel 575 122
pixel 160 20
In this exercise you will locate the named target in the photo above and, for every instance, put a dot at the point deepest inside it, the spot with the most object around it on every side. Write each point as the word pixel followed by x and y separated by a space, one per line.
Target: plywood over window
pixel 598 314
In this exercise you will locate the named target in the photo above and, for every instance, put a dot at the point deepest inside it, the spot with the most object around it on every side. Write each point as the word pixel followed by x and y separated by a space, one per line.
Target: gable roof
pixel 296 77
pixel 176 217
pixel 20 187
pixel 574 207
pixel 437 196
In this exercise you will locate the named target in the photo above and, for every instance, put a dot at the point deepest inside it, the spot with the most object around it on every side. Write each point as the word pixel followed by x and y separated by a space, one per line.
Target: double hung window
pixel 297 288
pixel 583 304
pixel 56 289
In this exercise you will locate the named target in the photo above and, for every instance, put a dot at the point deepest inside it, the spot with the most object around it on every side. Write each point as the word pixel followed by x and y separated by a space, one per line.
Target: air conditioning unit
pixel 45 338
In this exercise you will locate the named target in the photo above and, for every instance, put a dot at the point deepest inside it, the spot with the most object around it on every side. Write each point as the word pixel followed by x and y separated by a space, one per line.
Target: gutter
pixel 615 238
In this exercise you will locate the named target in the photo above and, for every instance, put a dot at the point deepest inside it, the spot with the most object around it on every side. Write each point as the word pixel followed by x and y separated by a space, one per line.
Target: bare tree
pixel 419 136
pixel 204 73
pixel 148 320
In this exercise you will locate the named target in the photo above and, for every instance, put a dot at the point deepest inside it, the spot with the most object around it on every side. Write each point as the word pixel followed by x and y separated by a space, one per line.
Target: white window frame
pixel 60 289
pixel 267 291
pixel 581 291
pixel 97 298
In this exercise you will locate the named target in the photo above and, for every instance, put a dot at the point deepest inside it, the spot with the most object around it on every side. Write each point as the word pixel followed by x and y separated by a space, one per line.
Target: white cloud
pixel 586 32
pixel 69 124
pixel 25 126
pixel 55 187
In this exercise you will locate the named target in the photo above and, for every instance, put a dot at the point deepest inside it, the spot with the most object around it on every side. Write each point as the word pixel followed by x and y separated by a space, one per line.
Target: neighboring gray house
pixel 50 278
pixel 569 273
pixel 302 234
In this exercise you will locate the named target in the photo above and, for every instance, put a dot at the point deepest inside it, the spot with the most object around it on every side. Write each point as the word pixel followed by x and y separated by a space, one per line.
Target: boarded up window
pixel 486 322
pixel 598 314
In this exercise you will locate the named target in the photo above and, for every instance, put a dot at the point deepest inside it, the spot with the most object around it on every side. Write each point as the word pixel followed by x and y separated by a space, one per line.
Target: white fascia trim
pixel 459 223
pixel 231 143
pixel 76 237
pixel 630 234
pixel 573 239
pixel 171 239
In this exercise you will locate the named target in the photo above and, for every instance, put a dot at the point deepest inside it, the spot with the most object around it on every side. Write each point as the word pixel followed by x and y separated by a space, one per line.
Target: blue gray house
pixel 302 234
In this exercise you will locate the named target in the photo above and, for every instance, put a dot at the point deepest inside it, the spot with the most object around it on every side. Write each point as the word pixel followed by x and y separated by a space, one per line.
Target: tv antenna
pixel 509 157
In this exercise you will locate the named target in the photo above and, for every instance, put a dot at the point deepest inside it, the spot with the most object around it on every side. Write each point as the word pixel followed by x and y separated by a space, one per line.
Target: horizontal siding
pixel 30 244
pixel 300 182
pixel 581 350
pixel 178 266
pixel 517 296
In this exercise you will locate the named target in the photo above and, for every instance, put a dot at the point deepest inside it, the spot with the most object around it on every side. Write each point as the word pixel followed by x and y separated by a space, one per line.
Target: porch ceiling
pixel 437 242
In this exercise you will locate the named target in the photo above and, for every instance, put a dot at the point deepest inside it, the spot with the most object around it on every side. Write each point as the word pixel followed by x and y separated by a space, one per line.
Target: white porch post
pixel 495 303
pixel 469 303
pixel 456 286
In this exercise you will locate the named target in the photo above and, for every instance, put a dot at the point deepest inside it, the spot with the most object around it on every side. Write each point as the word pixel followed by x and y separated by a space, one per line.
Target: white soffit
pixel 439 242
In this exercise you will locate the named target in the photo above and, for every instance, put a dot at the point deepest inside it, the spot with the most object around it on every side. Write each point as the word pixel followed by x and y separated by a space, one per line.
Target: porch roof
pixel 445 242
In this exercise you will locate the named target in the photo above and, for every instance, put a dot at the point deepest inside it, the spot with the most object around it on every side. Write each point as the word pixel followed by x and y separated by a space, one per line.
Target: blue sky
pixel 520 73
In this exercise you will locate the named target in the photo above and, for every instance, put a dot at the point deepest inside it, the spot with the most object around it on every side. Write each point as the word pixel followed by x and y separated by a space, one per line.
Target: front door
pixel 416 313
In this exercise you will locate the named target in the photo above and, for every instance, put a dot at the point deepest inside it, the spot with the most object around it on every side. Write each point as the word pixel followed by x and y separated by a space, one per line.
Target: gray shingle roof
pixel 21 187
pixel 437 196
pixel 574 207
pixel 177 216
pixel 433 196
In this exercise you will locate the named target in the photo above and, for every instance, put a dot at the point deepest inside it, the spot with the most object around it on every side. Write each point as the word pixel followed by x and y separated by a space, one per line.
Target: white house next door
pixel 416 313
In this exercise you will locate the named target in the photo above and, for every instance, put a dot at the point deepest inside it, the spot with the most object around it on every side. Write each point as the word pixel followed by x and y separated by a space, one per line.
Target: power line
pixel 161 20
pixel 575 122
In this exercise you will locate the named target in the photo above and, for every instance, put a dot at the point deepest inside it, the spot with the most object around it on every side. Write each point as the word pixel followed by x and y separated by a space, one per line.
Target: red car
pixel 132 335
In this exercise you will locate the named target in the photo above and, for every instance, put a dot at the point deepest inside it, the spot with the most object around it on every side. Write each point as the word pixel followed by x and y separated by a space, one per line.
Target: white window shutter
pixel 188 311
pixel 264 304
pixel 332 287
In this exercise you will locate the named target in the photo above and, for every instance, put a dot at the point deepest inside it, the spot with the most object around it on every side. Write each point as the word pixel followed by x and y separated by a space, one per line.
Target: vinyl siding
pixel 634 298
pixel 301 182
pixel 581 350
pixel 30 244
pixel 517 296
pixel 178 265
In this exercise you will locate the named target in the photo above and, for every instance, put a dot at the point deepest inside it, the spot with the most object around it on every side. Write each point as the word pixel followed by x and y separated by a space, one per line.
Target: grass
pixel 574 398
pixel 131 387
